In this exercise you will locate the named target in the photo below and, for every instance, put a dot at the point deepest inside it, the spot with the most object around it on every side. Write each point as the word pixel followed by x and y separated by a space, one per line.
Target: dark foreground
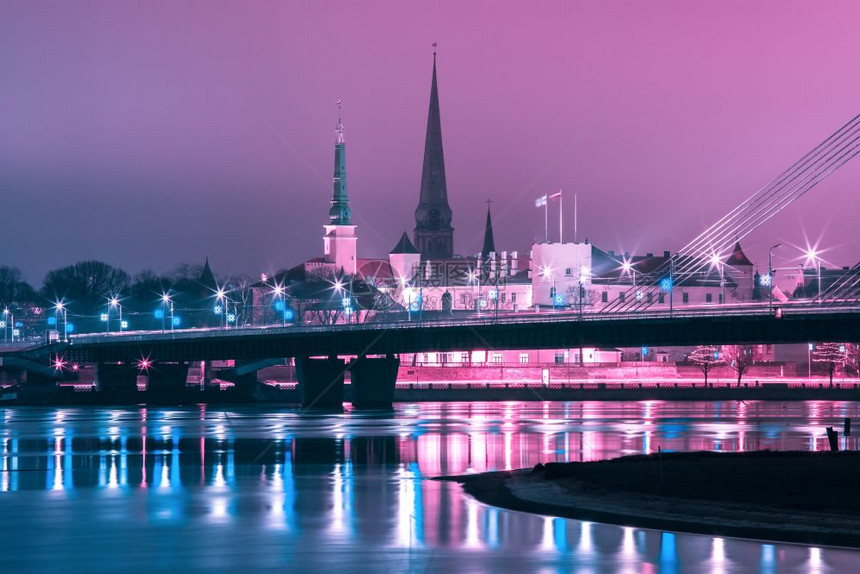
pixel 806 497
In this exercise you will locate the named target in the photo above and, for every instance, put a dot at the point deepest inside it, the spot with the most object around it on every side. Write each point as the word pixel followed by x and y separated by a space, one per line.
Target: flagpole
pixel 546 219
pixel 560 211
pixel 574 217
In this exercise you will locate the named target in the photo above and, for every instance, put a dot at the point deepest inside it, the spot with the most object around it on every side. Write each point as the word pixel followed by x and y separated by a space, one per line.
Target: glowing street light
pixel 280 293
pixel 627 267
pixel 60 307
pixel 5 323
pixel 813 257
pixel 166 300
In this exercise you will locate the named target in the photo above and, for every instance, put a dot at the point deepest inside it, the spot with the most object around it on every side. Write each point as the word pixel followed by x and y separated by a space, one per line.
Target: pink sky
pixel 148 134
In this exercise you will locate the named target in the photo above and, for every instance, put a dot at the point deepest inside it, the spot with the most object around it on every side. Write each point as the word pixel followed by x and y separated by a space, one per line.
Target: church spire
pixel 434 236
pixel 339 213
pixel 489 242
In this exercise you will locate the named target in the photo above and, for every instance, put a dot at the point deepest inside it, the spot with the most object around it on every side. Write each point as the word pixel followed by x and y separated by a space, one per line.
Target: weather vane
pixel 434 48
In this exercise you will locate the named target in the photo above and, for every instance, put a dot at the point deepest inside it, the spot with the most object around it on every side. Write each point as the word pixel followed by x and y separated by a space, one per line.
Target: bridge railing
pixel 566 316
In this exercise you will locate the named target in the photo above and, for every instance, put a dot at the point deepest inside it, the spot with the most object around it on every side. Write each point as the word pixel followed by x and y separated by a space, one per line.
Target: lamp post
pixel 812 255
pixel 770 275
pixel 221 297
pixel 278 291
pixel 8 317
pixel 584 273
pixel 671 284
pixel 115 304
pixel 60 306
pixel 165 299
pixel 547 274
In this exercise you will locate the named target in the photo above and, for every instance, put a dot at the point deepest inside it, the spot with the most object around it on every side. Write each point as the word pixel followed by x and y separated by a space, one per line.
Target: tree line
pixel 87 287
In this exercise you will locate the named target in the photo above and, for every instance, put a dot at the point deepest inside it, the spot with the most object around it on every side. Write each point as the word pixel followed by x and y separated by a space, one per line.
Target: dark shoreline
pixel 807 498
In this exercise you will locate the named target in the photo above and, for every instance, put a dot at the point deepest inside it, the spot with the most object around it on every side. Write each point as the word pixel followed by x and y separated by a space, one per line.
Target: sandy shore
pixel 803 497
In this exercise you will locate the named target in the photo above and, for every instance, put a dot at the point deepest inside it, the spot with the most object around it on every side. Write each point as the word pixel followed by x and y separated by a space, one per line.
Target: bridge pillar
pixel 167 377
pixel 321 382
pixel 373 381
pixel 117 378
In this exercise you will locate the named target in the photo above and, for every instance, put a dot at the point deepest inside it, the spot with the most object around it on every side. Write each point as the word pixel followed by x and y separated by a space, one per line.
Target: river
pixel 247 489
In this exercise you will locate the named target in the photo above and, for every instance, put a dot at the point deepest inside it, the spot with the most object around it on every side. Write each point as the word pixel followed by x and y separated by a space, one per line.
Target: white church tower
pixel 339 240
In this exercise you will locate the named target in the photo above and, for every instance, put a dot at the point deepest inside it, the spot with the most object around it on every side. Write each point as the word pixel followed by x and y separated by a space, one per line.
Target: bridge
pixel 320 352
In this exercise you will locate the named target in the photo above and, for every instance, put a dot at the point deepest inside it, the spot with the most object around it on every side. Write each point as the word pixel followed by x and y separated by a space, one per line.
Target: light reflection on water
pixel 199 488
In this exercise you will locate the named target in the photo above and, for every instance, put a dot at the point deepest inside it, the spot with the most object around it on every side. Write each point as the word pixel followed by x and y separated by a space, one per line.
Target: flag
pixel 541 201
pixel 555 195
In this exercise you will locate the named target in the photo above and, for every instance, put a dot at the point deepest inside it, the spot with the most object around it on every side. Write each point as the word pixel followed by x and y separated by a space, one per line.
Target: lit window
pixel 497 357
pixel 524 358
pixel 464 357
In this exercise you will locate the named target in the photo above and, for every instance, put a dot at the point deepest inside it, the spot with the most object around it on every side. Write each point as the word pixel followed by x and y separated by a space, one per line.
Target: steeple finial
pixel 339 129
pixel 435 45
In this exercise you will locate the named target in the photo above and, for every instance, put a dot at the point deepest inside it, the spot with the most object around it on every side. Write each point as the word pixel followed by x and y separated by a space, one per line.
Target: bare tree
pixel 740 358
pixel 705 357
pixel 831 354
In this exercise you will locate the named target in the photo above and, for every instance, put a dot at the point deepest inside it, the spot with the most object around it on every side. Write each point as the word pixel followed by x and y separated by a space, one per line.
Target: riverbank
pixel 803 497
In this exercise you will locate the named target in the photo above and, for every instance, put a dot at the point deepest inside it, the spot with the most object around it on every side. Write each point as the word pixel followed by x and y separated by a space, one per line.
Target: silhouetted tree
pixel 705 357
pixel 85 285
pixel 831 354
pixel 13 288
pixel 740 358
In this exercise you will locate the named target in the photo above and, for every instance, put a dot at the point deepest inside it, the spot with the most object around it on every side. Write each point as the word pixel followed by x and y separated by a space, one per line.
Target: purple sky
pixel 151 133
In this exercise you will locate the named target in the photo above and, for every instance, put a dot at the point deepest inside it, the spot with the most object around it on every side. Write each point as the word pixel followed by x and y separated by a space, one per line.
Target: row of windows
pixel 661 297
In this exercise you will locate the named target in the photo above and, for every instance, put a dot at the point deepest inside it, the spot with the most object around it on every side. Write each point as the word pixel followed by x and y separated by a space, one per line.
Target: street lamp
pixel 770 275
pixel 408 292
pixel 115 304
pixel 165 300
pixel 278 291
pixel 717 262
pixel 812 255
pixel 60 306
pixel 546 273
pixel 584 273
pixel 5 328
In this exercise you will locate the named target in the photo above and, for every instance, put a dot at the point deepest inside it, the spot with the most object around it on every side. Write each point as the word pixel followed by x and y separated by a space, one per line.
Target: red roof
pixel 738 258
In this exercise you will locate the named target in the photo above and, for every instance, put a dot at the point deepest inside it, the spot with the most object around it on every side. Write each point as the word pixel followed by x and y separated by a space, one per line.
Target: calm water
pixel 201 489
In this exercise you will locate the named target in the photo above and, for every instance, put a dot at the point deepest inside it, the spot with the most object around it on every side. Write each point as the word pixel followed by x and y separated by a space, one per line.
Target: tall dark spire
pixel 489 243
pixel 434 236
pixel 339 213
